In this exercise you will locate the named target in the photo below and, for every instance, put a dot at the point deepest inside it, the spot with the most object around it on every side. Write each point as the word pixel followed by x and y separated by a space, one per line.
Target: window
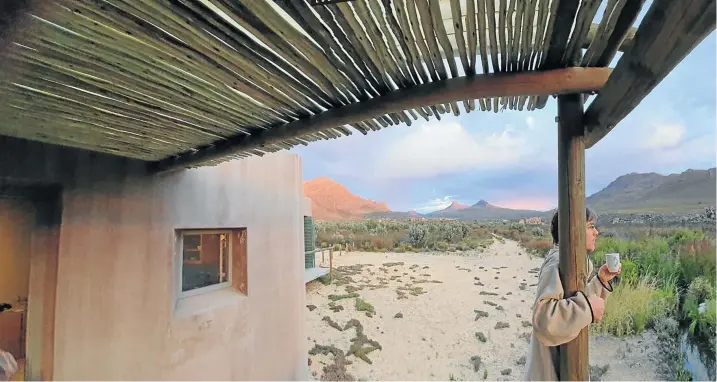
pixel 211 260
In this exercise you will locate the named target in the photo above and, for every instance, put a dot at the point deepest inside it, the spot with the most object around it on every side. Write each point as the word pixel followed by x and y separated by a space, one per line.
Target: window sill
pixel 206 302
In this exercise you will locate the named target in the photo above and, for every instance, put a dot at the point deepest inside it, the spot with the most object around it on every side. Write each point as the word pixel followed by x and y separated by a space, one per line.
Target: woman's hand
pixel 605 275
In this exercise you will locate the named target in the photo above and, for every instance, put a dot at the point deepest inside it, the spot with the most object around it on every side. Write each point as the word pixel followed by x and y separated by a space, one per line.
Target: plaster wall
pixel 117 312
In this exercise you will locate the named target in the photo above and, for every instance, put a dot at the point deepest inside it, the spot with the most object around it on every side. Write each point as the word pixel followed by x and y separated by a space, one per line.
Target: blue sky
pixel 510 158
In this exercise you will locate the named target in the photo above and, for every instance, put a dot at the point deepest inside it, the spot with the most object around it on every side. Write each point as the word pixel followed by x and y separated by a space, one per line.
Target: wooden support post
pixel 574 361
pixel 331 263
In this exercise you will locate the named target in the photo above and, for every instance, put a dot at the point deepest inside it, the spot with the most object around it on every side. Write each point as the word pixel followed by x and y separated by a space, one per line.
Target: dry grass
pixel 633 306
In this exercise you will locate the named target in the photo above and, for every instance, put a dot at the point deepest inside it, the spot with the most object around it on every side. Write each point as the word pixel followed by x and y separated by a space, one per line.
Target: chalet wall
pixel 116 316
pixel 15 244
pixel 306 206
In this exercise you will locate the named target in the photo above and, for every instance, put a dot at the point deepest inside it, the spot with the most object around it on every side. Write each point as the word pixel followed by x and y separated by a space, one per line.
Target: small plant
pixel 336 297
pixel 363 306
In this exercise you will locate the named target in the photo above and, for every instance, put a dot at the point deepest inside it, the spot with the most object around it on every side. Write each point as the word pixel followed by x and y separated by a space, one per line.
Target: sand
pixel 436 337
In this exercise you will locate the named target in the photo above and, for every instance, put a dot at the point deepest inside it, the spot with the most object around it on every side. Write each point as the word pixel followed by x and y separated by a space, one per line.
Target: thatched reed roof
pixel 188 82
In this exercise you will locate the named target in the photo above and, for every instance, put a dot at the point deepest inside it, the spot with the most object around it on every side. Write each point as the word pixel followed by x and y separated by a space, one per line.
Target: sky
pixel 510 158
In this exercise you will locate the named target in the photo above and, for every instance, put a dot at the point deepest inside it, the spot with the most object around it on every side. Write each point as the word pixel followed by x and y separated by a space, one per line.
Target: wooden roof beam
pixel 668 33
pixel 550 82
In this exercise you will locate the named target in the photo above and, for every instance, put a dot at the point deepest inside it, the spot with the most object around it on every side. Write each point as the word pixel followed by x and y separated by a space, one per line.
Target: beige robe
pixel 557 319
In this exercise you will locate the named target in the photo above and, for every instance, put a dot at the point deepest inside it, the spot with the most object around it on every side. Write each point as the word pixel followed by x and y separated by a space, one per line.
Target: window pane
pixel 201 254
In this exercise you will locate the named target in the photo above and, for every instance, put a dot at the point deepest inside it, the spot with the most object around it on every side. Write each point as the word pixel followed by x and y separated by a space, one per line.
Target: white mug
pixel 613 261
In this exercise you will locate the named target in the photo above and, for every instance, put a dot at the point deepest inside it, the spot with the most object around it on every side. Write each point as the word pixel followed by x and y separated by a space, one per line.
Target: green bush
pixel 679 262
pixel 629 271
pixel 374 235
pixel 634 306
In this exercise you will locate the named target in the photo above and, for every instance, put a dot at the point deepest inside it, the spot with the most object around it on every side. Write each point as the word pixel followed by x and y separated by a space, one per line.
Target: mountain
pixel 332 201
pixel 483 211
pixel 455 206
pixel 483 204
pixel 685 192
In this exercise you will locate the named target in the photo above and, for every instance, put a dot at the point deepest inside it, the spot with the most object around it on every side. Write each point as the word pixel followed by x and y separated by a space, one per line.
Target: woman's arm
pixel 558 320
pixel 596 286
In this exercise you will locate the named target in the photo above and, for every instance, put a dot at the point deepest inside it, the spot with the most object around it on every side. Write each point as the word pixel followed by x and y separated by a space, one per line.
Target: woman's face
pixel 591 234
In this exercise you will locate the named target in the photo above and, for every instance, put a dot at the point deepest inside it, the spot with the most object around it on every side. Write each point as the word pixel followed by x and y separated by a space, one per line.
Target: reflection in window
pixel 205 259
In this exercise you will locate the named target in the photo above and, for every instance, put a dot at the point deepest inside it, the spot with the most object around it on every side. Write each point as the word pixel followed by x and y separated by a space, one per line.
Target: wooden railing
pixel 343 248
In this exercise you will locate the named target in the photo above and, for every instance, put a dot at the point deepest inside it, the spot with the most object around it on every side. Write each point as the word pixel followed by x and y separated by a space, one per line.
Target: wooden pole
pixel 574 361
pixel 331 263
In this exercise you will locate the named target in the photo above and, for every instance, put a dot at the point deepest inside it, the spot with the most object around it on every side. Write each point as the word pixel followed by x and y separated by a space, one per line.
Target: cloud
pixel 530 122
pixel 665 137
pixel 434 205
pixel 440 148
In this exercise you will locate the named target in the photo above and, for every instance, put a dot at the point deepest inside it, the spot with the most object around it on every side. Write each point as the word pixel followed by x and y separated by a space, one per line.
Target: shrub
pixel 633 306
pixel 417 235
pixel 701 325
pixel 541 247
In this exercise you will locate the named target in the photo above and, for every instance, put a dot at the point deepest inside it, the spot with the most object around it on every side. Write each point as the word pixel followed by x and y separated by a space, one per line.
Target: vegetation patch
pixel 332 323
pixel 361 345
pixel 337 297
pixel 481 337
pixel 337 370
pixel 633 306
pixel 480 314
pixel 415 291
pixel 428 281
pixel 597 372
pixel 475 362
pixel 363 306
pixel 502 325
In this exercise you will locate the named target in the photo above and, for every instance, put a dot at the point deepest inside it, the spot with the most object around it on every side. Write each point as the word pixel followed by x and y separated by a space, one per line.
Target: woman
pixel 558 319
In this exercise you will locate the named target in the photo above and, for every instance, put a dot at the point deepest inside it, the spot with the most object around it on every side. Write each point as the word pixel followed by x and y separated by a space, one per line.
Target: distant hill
pixel 484 211
pixel 689 191
pixel 450 210
pixel 332 201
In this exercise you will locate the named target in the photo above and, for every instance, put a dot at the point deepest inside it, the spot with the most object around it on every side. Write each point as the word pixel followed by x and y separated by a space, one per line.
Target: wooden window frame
pixel 237 261
pixel 210 288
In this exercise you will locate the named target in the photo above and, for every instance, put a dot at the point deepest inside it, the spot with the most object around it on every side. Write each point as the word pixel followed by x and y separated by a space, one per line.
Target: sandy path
pixel 437 334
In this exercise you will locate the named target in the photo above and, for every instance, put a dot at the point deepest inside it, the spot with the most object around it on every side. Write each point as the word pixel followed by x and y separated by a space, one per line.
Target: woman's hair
pixel 554 227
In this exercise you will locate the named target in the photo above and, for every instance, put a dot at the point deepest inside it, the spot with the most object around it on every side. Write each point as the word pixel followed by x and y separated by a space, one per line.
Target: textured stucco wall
pixel 117 315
